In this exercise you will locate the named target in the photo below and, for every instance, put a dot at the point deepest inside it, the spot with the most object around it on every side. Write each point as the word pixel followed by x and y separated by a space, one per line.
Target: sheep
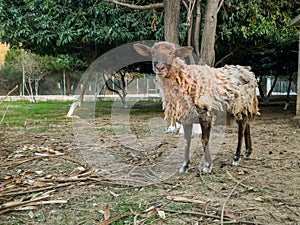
pixel 202 94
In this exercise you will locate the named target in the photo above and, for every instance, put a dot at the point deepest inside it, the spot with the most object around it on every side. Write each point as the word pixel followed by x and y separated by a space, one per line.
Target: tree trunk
pixel 36 86
pixel 288 92
pixel 171 20
pixel 197 27
pixel 78 102
pixel 68 83
pixel 30 92
pixel 273 86
pixel 208 36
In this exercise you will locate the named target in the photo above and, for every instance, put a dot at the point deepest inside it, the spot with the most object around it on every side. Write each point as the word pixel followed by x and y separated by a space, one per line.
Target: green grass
pixel 134 108
pixel 21 113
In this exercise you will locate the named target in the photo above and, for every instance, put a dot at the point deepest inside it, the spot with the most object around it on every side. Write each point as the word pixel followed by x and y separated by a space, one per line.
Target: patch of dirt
pixel 53 166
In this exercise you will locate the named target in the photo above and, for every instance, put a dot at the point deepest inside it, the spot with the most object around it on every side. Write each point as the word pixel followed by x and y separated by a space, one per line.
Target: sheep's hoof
pixel 247 154
pixel 235 163
pixel 207 168
pixel 184 167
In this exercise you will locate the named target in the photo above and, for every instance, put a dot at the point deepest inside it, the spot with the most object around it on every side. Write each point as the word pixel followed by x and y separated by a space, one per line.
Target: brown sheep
pixel 200 94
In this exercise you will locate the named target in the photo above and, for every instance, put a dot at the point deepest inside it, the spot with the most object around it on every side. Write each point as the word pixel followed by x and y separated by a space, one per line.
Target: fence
pixel 139 86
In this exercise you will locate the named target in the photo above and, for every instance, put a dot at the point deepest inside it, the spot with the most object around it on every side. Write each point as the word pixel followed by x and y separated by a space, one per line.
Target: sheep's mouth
pixel 160 69
pixel 161 73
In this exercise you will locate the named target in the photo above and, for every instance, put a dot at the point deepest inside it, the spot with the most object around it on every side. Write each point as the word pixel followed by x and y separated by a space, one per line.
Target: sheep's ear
pixel 141 49
pixel 183 51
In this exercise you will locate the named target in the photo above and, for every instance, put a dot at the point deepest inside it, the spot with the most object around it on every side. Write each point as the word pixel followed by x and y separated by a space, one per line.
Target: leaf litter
pixel 34 175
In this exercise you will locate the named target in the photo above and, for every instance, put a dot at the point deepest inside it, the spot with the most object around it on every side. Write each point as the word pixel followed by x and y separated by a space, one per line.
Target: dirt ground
pixel 45 178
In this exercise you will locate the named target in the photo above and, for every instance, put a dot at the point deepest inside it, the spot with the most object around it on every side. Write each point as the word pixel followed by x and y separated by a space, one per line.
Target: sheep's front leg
pixel 206 128
pixel 241 133
pixel 187 136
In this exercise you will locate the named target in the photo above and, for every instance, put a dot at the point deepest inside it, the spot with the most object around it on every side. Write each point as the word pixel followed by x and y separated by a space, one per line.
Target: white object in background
pixel 174 129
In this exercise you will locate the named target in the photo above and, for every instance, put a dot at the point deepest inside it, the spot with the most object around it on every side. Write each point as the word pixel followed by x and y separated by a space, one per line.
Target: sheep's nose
pixel 159 66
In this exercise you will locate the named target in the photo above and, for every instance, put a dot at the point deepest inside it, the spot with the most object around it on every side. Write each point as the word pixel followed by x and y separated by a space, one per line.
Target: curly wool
pixel 189 88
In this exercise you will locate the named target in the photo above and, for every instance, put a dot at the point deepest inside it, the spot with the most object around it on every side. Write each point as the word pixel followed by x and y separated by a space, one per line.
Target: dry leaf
pixel 48 202
pixel 40 184
pixel 230 215
pixel 76 171
pixel 161 214
pixel 29 173
pixel 31 214
pixel 106 212
pixel 133 212
pixel 114 194
pixel 30 207
pixel 19 180
pixel 111 220
pixel 185 200
pixel 259 199
pixel 150 213
pixel 7 181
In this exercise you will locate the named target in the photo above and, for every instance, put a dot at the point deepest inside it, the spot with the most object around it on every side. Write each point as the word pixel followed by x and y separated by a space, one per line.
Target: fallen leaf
pixel 19 180
pixel 106 212
pixel 40 184
pixel 230 215
pixel 149 213
pixel 259 199
pixel 76 171
pixel 161 214
pixel 29 173
pixel 185 200
pixel 30 207
pixel 7 181
pixel 111 220
pixel 31 214
pixel 114 194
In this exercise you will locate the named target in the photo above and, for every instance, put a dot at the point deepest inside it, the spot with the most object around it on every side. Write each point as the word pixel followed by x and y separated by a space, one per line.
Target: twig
pixel 293 211
pixel 211 188
pixel 35 190
pixel 5 97
pixel 243 222
pixel 8 165
pixel 239 183
pixel 73 161
pixel 13 205
pixel 233 189
pixel 186 200
pixel 233 178
pixel 138 7
pixel 194 213
pixel 4 114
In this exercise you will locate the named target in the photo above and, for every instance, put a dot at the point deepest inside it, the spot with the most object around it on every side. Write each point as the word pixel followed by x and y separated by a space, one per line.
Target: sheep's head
pixel 163 55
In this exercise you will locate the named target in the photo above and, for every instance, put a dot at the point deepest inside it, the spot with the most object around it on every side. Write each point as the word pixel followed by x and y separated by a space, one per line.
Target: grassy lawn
pixel 24 113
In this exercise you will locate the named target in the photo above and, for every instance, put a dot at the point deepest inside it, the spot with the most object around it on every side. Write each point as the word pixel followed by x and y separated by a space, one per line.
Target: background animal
pixel 202 94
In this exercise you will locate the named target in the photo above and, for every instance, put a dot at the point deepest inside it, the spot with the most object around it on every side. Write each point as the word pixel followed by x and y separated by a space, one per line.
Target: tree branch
pixel 220 5
pixel 228 55
pixel 138 7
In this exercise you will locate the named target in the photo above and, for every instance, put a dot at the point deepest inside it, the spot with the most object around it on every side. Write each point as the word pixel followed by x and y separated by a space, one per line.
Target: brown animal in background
pixel 198 94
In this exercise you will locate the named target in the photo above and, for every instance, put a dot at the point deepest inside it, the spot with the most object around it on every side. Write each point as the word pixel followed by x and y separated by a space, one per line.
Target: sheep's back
pixel 241 96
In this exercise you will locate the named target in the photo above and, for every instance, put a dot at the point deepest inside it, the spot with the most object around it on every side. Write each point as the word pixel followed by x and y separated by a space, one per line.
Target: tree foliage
pixel 258 33
pixel 255 33
pixel 82 29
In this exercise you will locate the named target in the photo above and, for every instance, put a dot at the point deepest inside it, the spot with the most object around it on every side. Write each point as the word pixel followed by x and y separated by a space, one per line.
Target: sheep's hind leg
pixel 248 142
pixel 241 133
pixel 206 127
pixel 187 136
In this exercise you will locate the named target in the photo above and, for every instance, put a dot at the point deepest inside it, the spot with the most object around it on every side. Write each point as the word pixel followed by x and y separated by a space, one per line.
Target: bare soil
pixel 48 164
